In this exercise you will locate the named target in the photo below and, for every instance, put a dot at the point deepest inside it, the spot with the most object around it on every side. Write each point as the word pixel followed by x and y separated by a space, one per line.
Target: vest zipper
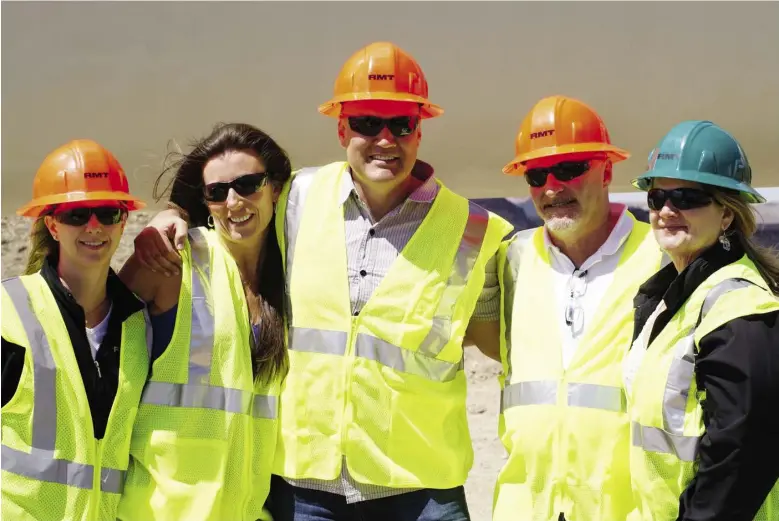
pixel 94 504
pixel 97 365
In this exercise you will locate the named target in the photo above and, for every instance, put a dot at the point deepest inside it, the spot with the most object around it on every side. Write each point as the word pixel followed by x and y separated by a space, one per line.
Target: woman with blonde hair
pixel 74 345
pixel 702 375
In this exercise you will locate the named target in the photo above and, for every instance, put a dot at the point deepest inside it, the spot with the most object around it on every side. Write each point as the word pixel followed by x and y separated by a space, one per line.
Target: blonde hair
pixel 743 228
pixel 42 244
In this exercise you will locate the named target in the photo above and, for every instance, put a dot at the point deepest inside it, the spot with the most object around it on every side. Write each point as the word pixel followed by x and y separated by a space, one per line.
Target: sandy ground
pixel 481 371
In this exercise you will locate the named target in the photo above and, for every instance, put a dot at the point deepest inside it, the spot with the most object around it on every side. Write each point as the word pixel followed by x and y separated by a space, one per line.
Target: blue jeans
pixel 288 503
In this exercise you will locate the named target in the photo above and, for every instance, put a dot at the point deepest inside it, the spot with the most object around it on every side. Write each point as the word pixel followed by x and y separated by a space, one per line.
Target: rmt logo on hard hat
pixel 381 76
pixel 542 133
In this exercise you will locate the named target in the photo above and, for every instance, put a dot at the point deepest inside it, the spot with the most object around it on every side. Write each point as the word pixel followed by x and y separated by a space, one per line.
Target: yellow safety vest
pixel 203 442
pixel 665 402
pixel 52 466
pixel 385 390
pixel 566 430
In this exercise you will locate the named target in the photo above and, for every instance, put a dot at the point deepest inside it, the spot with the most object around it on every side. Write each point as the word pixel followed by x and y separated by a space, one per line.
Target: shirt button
pixel 363 273
pixel 356 313
pixel 372 232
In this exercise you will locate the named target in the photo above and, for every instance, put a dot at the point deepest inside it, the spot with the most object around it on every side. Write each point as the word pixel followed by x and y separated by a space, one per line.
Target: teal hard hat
pixel 702 152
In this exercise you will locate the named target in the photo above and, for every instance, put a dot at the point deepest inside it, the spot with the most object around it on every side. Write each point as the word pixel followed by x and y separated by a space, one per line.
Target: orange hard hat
pixel 81 170
pixel 381 71
pixel 559 125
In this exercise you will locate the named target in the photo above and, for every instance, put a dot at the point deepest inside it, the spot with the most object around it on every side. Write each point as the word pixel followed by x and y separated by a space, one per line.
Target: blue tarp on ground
pixel 522 214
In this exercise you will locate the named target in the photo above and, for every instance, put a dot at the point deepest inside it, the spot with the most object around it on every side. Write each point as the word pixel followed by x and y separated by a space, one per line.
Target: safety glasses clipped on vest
pixel 681 198
pixel 244 186
pixel 106 215
pixel 564 171
pixel 371 126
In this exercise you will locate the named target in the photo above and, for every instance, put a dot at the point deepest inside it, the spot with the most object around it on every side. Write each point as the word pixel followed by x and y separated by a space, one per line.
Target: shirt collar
pixel 619 234
pixel 116 291
pixel 423 173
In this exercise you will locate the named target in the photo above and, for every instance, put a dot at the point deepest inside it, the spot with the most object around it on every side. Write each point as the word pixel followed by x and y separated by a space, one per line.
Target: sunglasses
pixel 244 186
pixel 564 171
pixel 106 215
pixel 681 198
pixel 370 126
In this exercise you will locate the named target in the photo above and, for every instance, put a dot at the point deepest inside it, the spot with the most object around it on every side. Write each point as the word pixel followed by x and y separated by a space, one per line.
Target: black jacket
pixel 100 376
pixel 738 366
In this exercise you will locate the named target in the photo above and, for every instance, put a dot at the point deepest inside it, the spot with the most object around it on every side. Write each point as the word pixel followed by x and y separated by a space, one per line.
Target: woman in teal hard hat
pixel 702 374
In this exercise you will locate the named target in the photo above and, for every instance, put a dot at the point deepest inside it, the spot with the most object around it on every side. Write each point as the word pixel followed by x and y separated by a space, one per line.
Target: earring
pixel 723 239
pixel 210 221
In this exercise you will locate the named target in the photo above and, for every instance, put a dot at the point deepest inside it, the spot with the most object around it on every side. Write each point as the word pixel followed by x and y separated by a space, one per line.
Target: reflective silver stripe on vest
pixel 510 272
pixel 652 439
pixel 298 191
pixel 464 260
pixel 40 463
pixel 544 392
pixel 201 343
pixel 405 361
pixel 371 348
pixel 42 466
pixel 682 369
pixel 210 397
pixel 678 385
pixel 44 416
pixel 322 341
pixel 197 392
pixel 595 396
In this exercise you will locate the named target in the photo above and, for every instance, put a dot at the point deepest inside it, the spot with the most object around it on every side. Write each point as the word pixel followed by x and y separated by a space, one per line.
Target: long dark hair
pixel 269 355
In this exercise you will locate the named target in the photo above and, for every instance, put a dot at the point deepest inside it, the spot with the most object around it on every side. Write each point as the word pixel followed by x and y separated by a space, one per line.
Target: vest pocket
pixel 189 474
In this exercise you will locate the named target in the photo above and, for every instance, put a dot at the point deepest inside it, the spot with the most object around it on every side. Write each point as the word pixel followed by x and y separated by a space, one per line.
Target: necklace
pixel 97 308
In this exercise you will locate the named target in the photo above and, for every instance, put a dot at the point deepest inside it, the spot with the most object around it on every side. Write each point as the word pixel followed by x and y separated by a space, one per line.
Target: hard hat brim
pixel 332 108
pixel 748 194
pixel 36 206
pixel 517 167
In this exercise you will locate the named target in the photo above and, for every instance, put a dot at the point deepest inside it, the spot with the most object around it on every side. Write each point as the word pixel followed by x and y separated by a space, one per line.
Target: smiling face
pixel 384 158
pixel 574 206
pixel 87 245
pixel 685 234
pixel 240 217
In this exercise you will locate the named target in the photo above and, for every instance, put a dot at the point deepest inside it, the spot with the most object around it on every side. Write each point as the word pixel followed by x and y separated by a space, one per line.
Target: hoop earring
pixel 210 221
pixel 723 239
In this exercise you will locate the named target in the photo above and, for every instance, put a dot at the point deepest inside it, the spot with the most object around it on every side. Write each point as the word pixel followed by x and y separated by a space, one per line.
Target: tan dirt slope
pixel 481 372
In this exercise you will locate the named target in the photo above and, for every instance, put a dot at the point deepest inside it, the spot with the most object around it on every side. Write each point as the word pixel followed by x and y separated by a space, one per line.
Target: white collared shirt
pixel 589 283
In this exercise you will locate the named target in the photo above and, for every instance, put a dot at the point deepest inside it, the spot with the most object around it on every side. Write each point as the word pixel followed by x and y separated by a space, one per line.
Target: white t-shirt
pixel 95 335
pixel 589 283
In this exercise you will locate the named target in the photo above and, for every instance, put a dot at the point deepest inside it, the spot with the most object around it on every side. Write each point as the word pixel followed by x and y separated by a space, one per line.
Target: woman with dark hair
pixel 702 375
pixel 205 435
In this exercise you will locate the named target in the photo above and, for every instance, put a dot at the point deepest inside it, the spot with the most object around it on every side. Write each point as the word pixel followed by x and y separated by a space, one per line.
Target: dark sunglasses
pixel 681 198
pixel 244 186
pixel 564 171
pixel 106 215
pixel 370 126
